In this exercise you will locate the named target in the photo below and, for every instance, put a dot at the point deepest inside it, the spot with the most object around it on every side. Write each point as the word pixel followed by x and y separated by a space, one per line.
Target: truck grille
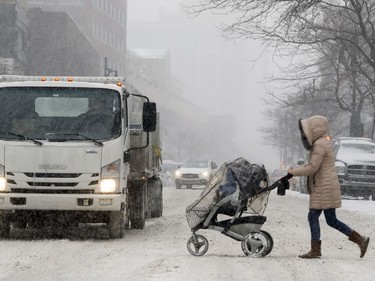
pixel 52 175
pixel 361 173
pixel 190 176
pixel 52 191
pixel 56 183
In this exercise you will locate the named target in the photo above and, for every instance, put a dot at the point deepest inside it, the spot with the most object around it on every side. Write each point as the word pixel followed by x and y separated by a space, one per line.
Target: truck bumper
pixel 66 202
pixel 356 189
pixel 191 181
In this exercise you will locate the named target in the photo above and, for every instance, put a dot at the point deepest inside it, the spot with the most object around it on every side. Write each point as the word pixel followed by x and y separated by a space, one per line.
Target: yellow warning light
pixel 70 79
pixel 43 79
pixel 119 84
pixel 57 79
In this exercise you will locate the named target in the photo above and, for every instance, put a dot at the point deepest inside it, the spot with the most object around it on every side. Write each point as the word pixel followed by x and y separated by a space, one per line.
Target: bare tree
pixel 299 101
pixel 338 34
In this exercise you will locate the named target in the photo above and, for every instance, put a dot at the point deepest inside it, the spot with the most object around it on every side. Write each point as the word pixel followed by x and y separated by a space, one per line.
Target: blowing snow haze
pixel 208 89
pixel 213 74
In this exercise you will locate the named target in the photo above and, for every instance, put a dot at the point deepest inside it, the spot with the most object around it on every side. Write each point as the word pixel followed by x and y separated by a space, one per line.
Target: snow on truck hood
pixel 46 159
pixel 357 151
pixel 357 158
pixel 192 170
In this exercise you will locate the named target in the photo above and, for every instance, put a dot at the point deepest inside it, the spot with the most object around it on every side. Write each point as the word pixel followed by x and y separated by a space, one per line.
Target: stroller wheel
pixel 270 241
pixel 197 245
pixel 257 244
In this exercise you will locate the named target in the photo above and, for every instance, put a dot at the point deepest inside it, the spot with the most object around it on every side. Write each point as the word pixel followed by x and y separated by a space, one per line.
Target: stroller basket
pixel 243 220
pixel 241 226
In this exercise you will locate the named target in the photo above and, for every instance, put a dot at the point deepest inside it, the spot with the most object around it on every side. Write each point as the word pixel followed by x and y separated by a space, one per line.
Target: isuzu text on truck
pixel 77 150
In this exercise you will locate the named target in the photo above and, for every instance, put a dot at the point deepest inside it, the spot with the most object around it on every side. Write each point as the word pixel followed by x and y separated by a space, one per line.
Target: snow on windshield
pixel 196 164
pixel 356 151
pixel 362 148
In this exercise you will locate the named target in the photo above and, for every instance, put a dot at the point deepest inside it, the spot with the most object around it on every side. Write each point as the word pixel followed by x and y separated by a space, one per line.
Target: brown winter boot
pixel 361 241
pixel 315 252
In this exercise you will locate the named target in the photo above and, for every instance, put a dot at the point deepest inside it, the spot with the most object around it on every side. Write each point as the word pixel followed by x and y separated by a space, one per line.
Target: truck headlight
pixel 2 184
pixel 108 185
pixel 177 173
pixel 3 180
pixel 110 175
pixel 340 167
pixel 205 174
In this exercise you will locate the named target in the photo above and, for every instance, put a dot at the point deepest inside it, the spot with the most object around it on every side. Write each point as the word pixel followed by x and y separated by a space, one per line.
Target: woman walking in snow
pixel 322 184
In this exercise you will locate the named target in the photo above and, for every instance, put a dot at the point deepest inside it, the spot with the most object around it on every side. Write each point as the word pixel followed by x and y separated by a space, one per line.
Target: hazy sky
pixel 230 74
pixel 148 10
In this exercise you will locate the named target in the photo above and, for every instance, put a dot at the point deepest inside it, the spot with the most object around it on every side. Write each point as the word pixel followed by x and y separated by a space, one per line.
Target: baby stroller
pixel 239 190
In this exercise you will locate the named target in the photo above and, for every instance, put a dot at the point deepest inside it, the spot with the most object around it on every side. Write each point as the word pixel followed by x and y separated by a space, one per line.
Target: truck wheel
pixel 148 200
pixel 116 224
pixel 4 226
pixel 156 198
pixel 137 206
pixel 127 219
pixel 178 186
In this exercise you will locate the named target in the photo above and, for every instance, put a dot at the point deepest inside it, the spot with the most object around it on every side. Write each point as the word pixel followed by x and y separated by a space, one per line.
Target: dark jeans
pixel 331 219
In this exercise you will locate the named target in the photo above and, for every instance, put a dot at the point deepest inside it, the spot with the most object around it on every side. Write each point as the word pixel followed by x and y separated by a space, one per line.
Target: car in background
pixel 355 166
pixel 168 169
pixel 195 172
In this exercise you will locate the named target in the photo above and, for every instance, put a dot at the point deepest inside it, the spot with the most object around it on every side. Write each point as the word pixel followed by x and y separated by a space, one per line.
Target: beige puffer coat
pixel 323 184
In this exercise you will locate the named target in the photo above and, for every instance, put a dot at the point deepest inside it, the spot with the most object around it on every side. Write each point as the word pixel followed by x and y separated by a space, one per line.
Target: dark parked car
pixel 355 165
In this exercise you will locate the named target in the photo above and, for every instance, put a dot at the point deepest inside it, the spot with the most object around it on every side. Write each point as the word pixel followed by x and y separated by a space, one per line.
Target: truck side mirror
pixel 149 117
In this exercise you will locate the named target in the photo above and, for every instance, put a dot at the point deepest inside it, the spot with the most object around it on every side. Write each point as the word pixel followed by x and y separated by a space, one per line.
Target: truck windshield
pixel 356 148
pixel 38 112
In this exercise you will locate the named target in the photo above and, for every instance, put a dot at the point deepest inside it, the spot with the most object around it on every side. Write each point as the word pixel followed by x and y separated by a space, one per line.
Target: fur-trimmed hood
pixel 314 128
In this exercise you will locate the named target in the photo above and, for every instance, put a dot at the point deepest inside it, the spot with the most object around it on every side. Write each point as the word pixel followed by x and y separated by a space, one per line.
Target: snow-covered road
pixel 158 252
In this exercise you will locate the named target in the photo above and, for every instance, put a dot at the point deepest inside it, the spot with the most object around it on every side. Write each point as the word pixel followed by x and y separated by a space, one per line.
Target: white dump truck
pixel 77 150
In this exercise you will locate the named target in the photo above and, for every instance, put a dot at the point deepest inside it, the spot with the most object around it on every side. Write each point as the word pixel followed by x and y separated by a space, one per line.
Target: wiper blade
pixel 99 143
pixel 23 137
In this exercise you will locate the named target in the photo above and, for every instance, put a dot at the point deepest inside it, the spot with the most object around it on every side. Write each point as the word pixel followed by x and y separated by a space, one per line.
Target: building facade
pixel 14 36
pixel 101 22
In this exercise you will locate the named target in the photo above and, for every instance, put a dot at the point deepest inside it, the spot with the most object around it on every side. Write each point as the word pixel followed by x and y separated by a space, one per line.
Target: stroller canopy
pixel 249 177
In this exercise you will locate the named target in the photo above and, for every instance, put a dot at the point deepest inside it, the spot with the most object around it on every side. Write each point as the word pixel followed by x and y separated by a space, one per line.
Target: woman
pixel 322 184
